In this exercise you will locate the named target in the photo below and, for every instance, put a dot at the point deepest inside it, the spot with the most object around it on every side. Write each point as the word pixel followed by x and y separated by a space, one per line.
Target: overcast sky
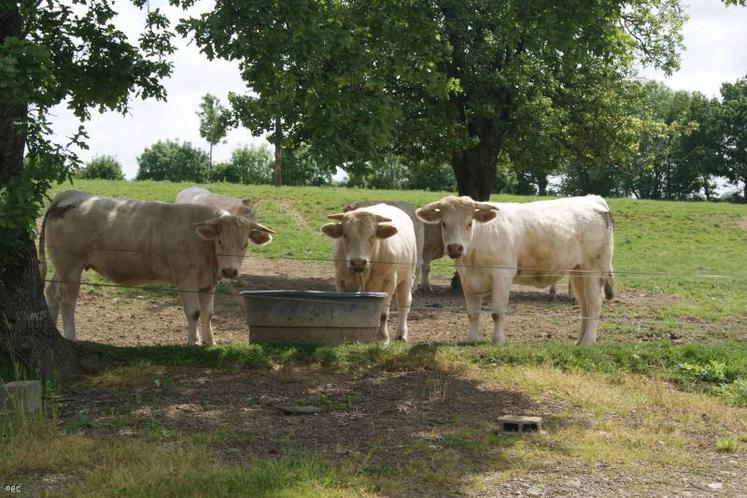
pixel 716 51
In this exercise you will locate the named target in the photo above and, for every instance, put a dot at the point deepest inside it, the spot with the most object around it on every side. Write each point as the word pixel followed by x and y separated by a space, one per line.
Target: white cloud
pixel 716 51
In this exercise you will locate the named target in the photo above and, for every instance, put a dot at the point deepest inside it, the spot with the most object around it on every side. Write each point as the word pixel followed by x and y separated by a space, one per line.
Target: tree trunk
pixel 27 334
pixel 706 188
pixel 210 163
pixel 277 179
pixel 277 173
pixel 474 168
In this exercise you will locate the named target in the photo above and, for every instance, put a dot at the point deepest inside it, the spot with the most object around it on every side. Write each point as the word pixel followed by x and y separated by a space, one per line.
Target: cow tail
pixel 42 256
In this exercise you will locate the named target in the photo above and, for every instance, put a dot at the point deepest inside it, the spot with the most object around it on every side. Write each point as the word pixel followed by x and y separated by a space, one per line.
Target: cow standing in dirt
pixel 374 250
pixel 497 244
pixel 135 242
pixel 237 207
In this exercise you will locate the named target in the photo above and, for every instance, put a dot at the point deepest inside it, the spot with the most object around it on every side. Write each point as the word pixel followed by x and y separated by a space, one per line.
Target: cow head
pixel 457 216
pixel 359 232
pixel 231 235
pixel 246 209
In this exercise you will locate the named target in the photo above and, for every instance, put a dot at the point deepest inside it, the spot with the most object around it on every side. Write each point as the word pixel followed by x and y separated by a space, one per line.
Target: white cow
pixel 136 242
pixel 497 244
pixel 237 207
pixel 374 250
pixel 418 226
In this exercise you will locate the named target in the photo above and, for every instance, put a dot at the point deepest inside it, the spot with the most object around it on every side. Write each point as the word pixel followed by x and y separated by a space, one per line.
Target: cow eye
pixel 469 225
pixel 443 224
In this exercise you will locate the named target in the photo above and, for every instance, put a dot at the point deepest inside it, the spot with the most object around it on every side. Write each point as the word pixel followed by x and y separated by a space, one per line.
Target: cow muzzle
pixel 358 265
pixel 229 273
pixel 455 250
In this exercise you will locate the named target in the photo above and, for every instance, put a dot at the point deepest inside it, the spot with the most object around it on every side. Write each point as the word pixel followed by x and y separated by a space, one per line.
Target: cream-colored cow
pixel 374 250
pixel 237 207
pixel 495 245
pixel 135 243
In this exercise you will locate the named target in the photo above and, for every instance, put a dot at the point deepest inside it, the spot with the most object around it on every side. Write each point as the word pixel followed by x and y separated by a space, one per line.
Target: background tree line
pixel 654 143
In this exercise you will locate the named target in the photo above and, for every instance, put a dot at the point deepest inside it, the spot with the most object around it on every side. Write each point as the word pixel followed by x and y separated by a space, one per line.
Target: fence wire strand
pixel 548 272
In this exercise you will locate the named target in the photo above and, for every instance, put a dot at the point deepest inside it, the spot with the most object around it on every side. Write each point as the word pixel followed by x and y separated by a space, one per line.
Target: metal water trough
pixel 318 317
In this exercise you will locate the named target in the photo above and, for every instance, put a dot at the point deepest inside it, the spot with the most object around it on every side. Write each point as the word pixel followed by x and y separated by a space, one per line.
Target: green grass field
pixel 694 251
pixel 644 415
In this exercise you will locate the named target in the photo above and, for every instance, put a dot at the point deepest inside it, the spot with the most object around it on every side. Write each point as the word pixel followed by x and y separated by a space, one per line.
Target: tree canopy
pixel 449 81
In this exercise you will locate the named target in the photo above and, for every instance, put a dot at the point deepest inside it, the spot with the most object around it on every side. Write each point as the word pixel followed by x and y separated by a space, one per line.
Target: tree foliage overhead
pixel 448 80
pixel 52 52
pixel 72 54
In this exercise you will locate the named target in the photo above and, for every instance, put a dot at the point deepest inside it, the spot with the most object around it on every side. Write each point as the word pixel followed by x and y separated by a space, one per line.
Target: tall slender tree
pixel 214 120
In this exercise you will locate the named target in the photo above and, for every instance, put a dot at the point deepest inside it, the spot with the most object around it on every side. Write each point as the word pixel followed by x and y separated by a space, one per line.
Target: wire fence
pixel 548 272
pixel 429 308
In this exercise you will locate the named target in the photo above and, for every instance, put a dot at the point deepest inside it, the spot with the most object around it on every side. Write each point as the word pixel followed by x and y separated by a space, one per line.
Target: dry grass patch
pixel 129 376
pixel 625 420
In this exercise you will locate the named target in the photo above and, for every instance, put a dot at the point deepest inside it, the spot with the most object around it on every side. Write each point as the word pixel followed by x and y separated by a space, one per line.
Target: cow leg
pixel 590 321
pixel 51 294
pixel 191 303
pixel 66 290
pixel 425 283
pixel 551 293
pixel 499 305
pixel 404 300
pixel 571 294
pixel 207 299
pixel 587 290
pixel 473 303
pixel 388 287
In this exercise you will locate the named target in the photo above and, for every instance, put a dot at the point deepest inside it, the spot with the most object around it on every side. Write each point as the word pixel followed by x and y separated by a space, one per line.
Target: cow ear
pixel 385 231
pixel 208 230
pixel 430 213
pixel 336 216
pixel 247 201
pixel 260 238
pixel 260 234
pixel 333 230
pixel 485 214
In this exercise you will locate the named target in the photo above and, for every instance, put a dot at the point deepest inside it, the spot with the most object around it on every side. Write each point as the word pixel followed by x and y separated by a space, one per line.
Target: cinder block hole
pixel 511 427
pixel 530 427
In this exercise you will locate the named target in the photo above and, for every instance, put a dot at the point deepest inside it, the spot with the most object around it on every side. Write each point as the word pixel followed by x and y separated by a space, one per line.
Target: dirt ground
pixel 429 422
pixel 150 317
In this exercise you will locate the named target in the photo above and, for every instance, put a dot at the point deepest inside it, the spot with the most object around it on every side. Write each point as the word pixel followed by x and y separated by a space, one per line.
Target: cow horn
pixel 336 216
pixel 484 206
pixel 211 221
pixel 382 219
pixel 261 228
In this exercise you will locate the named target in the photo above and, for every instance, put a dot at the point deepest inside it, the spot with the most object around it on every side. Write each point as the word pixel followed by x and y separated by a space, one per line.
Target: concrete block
pixel 23 396
pixel 517 424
